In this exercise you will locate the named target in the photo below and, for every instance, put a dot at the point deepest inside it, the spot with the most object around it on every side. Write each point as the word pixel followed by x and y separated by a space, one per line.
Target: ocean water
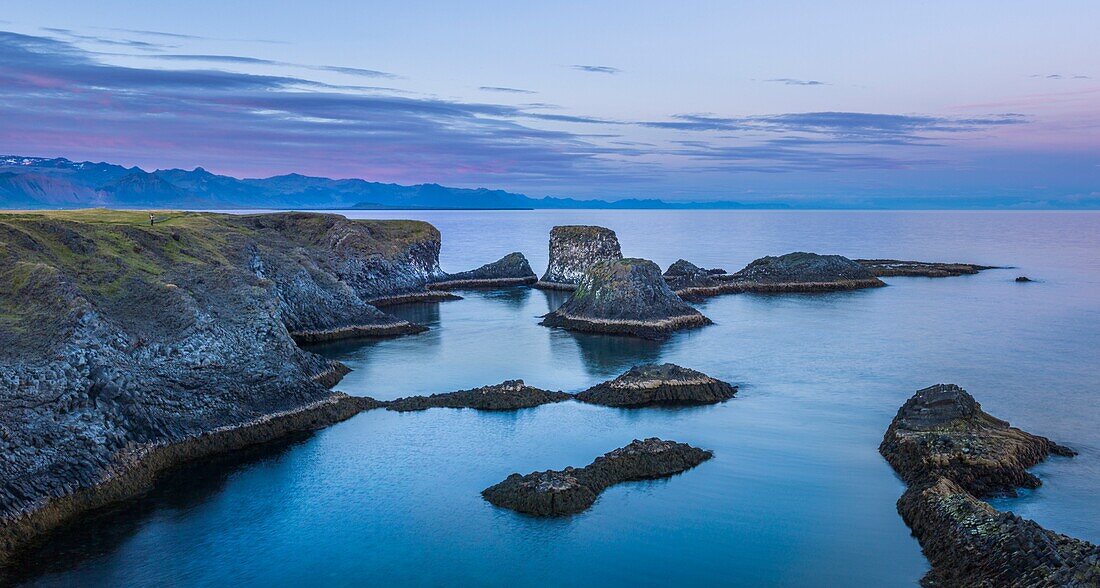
pixel 797 493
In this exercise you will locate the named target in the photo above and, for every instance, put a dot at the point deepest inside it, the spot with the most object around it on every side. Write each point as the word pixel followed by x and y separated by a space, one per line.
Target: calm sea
pixel 797 493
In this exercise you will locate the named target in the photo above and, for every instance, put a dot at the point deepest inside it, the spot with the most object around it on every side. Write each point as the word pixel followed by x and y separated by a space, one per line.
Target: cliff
pixel 127 347
pixel 573 250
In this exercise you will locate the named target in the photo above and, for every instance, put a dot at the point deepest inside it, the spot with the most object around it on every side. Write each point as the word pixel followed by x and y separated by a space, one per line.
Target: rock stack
pixel 510 270
pixel 573 250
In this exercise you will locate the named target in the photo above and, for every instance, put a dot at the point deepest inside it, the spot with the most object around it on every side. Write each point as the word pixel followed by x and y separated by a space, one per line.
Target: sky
pixel 822 104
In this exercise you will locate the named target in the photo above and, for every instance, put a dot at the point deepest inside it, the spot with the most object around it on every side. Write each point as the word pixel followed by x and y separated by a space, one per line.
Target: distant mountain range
pixel 35 182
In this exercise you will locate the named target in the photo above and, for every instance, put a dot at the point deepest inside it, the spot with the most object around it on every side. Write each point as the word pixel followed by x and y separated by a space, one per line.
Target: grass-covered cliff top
pixel 580 231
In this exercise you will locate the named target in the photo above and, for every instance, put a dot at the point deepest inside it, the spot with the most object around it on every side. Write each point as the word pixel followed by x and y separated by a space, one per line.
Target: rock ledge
pixel 665 384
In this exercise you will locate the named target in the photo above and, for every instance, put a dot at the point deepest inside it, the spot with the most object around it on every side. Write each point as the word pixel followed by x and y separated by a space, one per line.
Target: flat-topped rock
pixel 924 269
pixel 572 490
pixel 510 270
pixel 625 297
pixel 664 384
pixel 508 395
pixel 1022 279
pixel 802 272
pixel 692 282
pixel 573 250
pixel 969 543
pixel 943 431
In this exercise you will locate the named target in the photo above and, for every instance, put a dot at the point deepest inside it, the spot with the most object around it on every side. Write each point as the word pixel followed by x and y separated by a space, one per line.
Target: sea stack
pixel 625 297
pixel 659 385
pixel 951 453
pixel 510 270
pixel 803 272
pixel 574 249
pixel 572 490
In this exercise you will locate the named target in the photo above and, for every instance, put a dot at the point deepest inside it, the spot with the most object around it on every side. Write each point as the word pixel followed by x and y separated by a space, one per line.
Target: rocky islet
pixel 508 395
pixel 659 385
pixel 573 250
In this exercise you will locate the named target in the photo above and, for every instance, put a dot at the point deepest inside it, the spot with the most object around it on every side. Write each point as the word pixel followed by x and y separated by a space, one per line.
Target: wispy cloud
pixel 506 90
pixel 182 36
pixel 795 82
pixel 1060 77
pixel 238 59
pixel 604 69
pixel 130 43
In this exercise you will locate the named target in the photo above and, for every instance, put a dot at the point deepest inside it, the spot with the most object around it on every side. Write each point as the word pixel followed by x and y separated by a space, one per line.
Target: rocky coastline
pixel 510 270
pixel 508 395
pixel 801 272
pixel 888 268
pixel 658 385
pixel 951 454
pixel 625 297
pixel 573 250
pixel 155 345
pixel 573 490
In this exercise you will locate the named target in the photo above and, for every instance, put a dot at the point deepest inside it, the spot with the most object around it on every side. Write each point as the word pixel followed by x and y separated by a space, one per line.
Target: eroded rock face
pixel 510 270
pixel 692 282
pixel 951 453
pixel 943 431
pixel 625 297
pixel 126 348
pixel 572 490
pixel 895 267
pixel 573 250
pixel 509 395
pixel 802 272
pixel 666 384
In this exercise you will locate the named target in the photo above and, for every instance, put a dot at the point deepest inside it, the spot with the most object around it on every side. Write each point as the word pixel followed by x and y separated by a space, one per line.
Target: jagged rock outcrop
pixel 951 453
pixel 1023 279
pixel 510 270
pixel 893 267
pixel 625 297
pixel 943 431
pixel 573 250
pixel 508 395
pixel 692 282
pixel 801 272
pixel 127 348
pixel 572 490
pixel 664 384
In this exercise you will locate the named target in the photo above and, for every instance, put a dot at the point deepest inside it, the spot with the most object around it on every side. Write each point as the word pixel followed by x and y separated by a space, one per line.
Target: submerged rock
pixel 573 250
pixel 510 270
pixel 802 272
pixel 951 453
pixel 893 267
pixel 943 431
pixel 572 490
pixel 625 297
pixel 509 395
pixel 1024 279
pixel 665 384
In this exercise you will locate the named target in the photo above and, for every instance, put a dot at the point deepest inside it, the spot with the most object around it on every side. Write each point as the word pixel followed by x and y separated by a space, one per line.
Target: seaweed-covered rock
pixel 692 282
pixel 625 297
pixel 951 452
pixel 572 490
pixel 508 395
pixel 925 269
pixel 802 272
pixel 665 384
pixel 943 431
pixel 510 270
pixel 969 543
pixel 573 250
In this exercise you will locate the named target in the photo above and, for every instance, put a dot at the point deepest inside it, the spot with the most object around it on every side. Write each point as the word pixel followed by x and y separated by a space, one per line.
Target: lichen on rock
pixel 573 250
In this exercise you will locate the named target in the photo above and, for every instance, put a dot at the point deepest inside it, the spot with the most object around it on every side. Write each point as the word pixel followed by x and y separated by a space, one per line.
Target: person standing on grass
pixel 151 217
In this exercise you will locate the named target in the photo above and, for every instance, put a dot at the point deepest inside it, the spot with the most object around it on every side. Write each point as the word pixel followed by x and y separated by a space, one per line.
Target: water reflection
pixel 555 298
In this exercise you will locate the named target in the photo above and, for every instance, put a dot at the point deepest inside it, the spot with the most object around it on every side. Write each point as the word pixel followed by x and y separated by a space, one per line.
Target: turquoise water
pixel 797 493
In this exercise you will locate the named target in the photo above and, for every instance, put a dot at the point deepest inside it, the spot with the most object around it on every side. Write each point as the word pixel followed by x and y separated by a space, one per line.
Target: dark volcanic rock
pixel 625 297
pixel 943 431
pixel 573 250
pixel 1024 279
pixel 892 267
pixel 127 348
pixel 692 282
pixel 509 395
pixel 665 384
pixel 951 452
pixel 969 543
pixel 572 490
pixel 510 270
pixel 802 272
